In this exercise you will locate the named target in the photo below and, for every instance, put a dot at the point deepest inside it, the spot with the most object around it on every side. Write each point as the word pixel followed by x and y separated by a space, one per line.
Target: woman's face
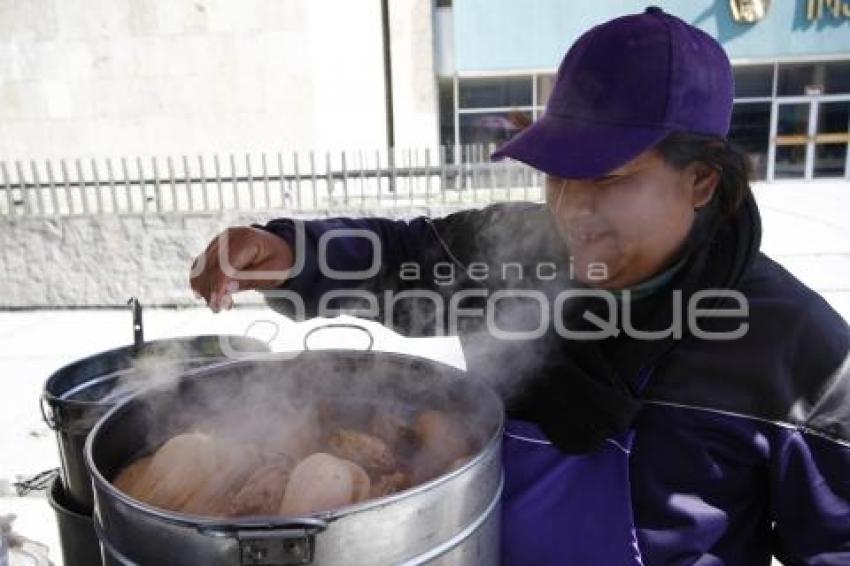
pixel 625 227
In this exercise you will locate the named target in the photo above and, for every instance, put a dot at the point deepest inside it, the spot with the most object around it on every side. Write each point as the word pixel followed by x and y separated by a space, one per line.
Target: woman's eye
pixel 610 179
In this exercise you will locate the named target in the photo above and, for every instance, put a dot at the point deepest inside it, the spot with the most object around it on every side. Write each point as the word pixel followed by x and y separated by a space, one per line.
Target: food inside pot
pixel 301 462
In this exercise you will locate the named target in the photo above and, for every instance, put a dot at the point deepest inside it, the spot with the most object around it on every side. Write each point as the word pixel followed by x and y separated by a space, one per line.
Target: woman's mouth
pixel 586 237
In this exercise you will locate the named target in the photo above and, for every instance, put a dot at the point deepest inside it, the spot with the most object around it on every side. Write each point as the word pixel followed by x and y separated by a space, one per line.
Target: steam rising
pixel 269 411
pixel 526 258
pixel 285 408
pixel 156 368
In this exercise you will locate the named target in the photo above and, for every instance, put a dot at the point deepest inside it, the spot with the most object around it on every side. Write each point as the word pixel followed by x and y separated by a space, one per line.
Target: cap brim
pixel 577 149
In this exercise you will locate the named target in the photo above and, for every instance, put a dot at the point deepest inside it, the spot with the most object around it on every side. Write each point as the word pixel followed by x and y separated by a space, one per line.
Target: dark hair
pixel 680 149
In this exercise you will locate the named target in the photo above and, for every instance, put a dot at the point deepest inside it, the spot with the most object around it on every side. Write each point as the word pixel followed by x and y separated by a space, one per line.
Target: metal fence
pixel 298 182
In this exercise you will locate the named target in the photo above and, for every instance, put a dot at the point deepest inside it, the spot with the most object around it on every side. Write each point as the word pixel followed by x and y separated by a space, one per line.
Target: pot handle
pixel 138 329
pixel 271 541
pixel 340 325
pixel 47 414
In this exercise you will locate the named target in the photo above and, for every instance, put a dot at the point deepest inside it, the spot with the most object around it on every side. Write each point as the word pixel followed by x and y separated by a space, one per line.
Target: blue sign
pixel 521 35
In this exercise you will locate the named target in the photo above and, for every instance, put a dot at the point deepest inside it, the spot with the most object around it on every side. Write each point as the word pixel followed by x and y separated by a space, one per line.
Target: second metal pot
pixel 76 396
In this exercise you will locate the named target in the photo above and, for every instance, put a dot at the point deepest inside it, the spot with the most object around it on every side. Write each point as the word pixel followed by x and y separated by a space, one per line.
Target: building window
pixel 493 109
pixel 545 83
pixel 833 117
pixel 790 162
pixel 793 120
pixel 811 102
pixel 832 136
pixel 837 77
pixel 830 160
pixel 507 92
pixel 799 79
pixel 750 127
pixel 750 131
pixel 753 81
pixel 492 127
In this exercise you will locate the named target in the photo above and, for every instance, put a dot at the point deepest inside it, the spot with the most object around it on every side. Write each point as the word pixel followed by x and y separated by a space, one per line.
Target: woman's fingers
pixel 226 302
pixel 232 253
pixel 203 268
pixel 199 268
pixel 220 271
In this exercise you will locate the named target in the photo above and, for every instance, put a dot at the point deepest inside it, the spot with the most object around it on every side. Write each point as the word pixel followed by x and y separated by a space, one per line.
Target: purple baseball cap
pixel 622 88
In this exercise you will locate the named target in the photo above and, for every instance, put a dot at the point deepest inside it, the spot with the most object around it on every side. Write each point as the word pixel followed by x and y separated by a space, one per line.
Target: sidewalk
pixel 806 228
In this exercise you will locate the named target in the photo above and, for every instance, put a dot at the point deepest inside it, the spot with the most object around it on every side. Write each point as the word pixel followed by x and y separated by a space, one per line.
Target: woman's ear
pixel 703 180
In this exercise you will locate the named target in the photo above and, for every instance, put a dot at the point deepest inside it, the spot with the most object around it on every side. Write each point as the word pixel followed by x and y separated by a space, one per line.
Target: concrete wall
pixel 78 261
pixel 152 77
pixel 414 79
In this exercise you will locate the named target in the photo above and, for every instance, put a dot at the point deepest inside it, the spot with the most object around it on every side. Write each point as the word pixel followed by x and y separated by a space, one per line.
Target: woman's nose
pixel 576 197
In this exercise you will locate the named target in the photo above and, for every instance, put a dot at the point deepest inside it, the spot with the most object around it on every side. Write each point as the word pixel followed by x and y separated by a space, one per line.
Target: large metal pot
pixel 76 396
pixel 452 519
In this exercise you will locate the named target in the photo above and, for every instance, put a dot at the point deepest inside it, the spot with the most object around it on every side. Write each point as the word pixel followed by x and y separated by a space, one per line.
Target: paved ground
pixel 806 227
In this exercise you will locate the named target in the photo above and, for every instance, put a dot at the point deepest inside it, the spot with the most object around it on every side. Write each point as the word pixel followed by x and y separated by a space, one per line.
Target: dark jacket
pixel 741 447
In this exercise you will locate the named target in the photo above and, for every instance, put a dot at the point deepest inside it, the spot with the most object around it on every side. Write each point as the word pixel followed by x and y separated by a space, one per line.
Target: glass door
pixel 832 134
pixel 793 125
pixel 810 138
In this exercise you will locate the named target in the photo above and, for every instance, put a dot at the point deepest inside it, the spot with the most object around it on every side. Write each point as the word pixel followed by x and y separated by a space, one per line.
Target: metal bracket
pixel 271 541
pixel 47 413
pixel 291 547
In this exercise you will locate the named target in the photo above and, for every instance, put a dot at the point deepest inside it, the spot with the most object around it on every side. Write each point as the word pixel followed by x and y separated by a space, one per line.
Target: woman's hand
pixel 221 270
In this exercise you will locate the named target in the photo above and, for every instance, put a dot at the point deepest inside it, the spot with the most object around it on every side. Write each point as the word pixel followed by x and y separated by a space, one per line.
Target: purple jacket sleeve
pixel 378 254
pixel 810 500
pixel 810 469
pixel 353 253
pixel 810 466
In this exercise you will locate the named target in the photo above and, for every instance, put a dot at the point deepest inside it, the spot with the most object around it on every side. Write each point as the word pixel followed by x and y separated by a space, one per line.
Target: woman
pixel 688 399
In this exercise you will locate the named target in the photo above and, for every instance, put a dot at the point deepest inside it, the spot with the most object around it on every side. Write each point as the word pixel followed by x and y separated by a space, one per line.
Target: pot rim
pixel 493 444
pixel 53 399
